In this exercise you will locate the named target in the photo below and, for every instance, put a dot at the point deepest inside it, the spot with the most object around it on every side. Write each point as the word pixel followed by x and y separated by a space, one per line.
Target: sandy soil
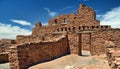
pixel 4 66
pixel 70 61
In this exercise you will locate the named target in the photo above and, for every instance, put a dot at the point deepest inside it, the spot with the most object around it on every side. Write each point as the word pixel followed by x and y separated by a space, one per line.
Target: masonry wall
pixel 85 17
pixel 74 44
pixel 44 30
pixel 113 57
pixel 79 42
pixel 4 50
pixel 25 39
pixel 86 41
pixel 3 57
pixel 100 40
pixel 7 41
pixel 25 55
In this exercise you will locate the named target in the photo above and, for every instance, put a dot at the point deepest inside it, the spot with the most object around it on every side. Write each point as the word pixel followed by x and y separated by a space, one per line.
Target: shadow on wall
pixel 54 57
pixel 29 54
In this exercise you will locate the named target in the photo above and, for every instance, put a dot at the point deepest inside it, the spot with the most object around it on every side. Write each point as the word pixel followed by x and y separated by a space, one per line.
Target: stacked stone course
pixel 113 56
pixel 25 55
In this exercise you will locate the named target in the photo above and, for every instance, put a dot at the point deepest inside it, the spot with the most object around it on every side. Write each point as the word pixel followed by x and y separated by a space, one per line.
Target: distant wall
pixel 3 57
pixel 7 41
pixel 24 55
pixel 4 50
pixel 26 39
pixel 44 30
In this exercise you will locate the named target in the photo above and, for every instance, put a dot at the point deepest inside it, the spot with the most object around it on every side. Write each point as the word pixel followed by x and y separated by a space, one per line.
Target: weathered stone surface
pixel 24 55
pixel 85 17
pixel 100 40
pixel 3 57
pixel 4 50
pixel 7 41
pixel 113 56
pixel 38 24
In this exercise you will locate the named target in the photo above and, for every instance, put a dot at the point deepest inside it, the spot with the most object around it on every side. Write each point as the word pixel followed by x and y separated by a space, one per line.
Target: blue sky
pixel 17 17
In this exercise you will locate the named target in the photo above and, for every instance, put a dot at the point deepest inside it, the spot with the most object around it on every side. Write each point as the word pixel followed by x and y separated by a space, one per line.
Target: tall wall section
pixel 74 44
pixel 25 55
pixel 84 20
pixel 86 16
pixel 100 40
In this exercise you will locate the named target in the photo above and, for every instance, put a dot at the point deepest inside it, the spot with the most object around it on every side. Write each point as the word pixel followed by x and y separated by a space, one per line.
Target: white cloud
pixel 22 22
pixel 99 16
pixel 51 13
pixel 111 18
pixel 10 32
pixel 45 23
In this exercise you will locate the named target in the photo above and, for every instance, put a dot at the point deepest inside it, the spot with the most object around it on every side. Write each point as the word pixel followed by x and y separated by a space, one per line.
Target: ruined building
pixel 65 34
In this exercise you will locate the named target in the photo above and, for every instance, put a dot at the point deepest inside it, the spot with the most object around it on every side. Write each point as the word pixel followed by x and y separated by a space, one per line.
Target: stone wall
pixel 100 40
pixel 25 39
pixel 84 20
pixel 3 57
pixel 113 57
pixel 79 42
pixel 86 41
pixel 7 41
pixel 74 44
pixel 4 50
pixel 25 55
pixel 85 17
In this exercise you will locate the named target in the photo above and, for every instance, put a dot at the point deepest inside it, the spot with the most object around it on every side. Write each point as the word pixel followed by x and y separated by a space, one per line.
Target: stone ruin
pixel 113 57
pixel 64 34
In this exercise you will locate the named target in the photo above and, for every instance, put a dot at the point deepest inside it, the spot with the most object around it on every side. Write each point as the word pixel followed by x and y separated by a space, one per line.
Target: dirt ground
pixel 70 61
pixel 5 66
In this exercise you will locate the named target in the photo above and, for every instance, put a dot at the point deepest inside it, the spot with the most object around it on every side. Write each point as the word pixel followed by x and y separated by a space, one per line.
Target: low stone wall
pixel 26 39
pixel 25 55
pixel 3 57
pixel 4 50
pixel 113 56
pixel 7 41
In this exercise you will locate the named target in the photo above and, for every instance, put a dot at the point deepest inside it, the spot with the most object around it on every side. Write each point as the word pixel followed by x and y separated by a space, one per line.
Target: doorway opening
pixel 85 44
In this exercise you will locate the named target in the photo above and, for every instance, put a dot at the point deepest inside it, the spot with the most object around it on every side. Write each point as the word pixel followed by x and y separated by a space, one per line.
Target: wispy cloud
pixel 111 17
pixel 10 32
pixel 22 22
pixel 68 7
pixel 51 13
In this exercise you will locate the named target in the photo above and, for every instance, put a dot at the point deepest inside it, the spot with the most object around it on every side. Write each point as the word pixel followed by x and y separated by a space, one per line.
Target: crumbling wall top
pixel 38 24
pixel 84 16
